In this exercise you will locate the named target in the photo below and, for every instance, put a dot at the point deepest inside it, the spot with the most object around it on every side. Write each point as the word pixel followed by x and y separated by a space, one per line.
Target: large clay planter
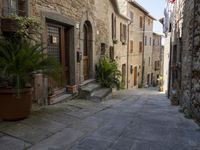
pixel 13 107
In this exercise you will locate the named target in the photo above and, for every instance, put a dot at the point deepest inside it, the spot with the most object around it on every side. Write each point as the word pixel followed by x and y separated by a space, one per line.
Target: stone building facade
pixel 184 57
pixel 148 50
pixel 156 58
pixel 135 45
pixel 76 33
pixel 141 26
pixel 117 33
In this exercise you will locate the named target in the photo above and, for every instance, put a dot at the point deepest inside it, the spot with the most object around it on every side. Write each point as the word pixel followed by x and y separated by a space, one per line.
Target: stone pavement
pixel 132 120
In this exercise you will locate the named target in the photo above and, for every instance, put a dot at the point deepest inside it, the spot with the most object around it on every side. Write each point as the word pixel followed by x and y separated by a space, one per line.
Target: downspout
pixel 192 52
pixel 127 80
pixel 170 71
pixel 143 51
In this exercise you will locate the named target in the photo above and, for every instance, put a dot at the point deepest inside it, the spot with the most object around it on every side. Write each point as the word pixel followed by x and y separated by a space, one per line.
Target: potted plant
pixel 19 60
pixel 20 26
pixel 160 83
pixel 107 73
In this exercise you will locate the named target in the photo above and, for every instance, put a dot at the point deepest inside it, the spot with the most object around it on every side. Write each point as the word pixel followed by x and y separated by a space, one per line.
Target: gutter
pixel 128 42
pixel 143 51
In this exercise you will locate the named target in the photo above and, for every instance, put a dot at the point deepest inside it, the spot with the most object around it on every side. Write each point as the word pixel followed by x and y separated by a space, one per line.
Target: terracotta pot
pixel 13 107
pixel 9 25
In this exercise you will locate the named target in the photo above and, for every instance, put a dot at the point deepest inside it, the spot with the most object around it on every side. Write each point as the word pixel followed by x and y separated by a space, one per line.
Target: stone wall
pixel 156 56
pixel 148 50
pixel 191 58
pixel 75 13
pixel 135 35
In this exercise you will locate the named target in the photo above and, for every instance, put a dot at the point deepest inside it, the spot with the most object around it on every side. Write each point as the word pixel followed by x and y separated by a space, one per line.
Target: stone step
pixel 86 90
pixel 100 94
pixel 90 87
pixel 60 98
pixel 86 82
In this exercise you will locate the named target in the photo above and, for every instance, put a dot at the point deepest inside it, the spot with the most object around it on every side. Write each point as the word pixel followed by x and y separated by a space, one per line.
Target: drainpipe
pixel 170 71
pixel 127 80
pixel 143 51
pixel 192 52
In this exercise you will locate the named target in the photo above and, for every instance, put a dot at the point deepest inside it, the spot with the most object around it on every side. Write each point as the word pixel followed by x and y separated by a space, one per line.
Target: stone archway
pixel 87 46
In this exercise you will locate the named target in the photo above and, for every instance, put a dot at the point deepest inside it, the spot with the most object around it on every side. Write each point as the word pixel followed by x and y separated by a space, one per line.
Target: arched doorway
pixel 87 49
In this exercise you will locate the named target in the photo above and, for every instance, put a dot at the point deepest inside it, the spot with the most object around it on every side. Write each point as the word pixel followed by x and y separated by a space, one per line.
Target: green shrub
pixel 20 59
pixel 107 73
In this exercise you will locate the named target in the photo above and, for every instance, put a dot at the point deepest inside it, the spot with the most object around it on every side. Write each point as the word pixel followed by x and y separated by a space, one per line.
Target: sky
pixel 156 9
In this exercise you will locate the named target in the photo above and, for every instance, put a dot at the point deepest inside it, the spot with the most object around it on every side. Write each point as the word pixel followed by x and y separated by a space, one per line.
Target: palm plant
pixel 19 59
pixel 107 73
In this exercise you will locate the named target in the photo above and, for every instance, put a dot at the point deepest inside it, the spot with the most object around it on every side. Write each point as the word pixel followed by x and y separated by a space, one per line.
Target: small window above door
pixel 15 7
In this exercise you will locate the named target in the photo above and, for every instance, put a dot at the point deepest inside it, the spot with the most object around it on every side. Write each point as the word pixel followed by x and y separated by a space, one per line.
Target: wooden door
pixel 124 74
pixel 86 52
pixel 56 47
pixel 148 79
pixel 135 76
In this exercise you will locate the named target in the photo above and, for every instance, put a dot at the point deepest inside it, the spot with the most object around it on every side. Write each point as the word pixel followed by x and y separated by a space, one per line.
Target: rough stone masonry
pixel 191 58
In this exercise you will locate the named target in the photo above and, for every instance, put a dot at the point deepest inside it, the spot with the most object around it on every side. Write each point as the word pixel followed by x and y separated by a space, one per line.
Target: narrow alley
pixel 141 119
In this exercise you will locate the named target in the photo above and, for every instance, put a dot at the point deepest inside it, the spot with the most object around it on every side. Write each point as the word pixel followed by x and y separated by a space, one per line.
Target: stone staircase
pixel 59 96
pixel 91 90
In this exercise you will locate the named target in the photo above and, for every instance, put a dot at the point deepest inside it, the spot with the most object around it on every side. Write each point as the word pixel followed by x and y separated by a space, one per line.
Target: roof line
pixel 135 4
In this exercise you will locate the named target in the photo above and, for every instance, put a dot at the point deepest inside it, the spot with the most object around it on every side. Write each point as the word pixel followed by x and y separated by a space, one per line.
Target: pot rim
pixel 14 91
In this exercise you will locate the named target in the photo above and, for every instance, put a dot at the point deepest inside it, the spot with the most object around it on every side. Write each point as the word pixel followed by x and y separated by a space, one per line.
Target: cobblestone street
pixel 133 120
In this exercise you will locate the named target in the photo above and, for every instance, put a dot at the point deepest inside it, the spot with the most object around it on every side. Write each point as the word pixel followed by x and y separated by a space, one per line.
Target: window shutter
pixel 115 27
pixel 22 7
pixel 131 46
pixel 112 25
pixel 140 47
pixel 112 55
pixel 121 32
pixel 124 34
pixel 141 24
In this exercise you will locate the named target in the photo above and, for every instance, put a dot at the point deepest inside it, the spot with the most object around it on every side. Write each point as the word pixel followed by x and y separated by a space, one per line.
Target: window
pixel 131 15
pixel 153 42
pixel 123 33
pixel 131 46
pixel 112 55
pixel 145 40
pixel 149 61
pixel 113 27
pixel 18 7
pixel 140 47
pixel 150 41
pixel 141 22
pixel 174 60
pixel 149 21
pixel 157 65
